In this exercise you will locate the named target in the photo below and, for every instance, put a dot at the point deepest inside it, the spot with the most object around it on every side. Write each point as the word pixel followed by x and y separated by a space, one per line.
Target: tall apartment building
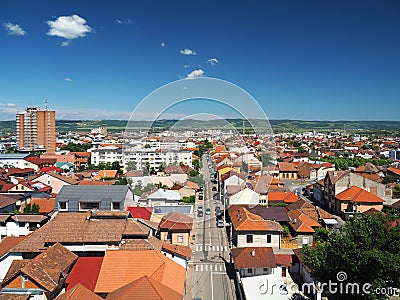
pixel 36 130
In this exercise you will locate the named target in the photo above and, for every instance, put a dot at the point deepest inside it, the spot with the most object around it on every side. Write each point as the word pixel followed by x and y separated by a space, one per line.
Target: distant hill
pixel 8 127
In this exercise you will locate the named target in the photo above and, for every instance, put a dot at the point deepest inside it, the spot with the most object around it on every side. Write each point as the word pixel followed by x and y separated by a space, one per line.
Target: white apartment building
pixel 155 157
pixel 107 154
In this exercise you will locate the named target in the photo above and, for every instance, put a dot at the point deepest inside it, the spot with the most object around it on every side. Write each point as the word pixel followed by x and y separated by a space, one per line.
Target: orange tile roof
pixel 105 173
pixel 394 170
pixel 9 242
pixel 144 288
pixel 253 257
pixel 79 292
pixel 178 250
pixel 124 266
pixel 287 197
pixel 45 205
pixel 357 194
pixel 243 220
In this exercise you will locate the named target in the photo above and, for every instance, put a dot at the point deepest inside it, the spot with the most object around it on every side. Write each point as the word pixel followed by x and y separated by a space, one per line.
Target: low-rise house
pixel 56 181
pixel 314 212
pixel 339 181
pixel 161 197
pixel 287 171
pixel 300 267
pixel 120 268
pixel 179 254
pixel 251 230
pixel 16 160
pixel 302 227
pixel 21 224
pixel 255 268
pixel 91 232
pixel 43 276
pixel 176 228
pixel 6 258
pixel 245 197
pixel 75 198
pixel 356 200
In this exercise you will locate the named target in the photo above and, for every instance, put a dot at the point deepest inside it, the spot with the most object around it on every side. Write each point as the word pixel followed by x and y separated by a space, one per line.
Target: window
pixel 249 238
pixel 305 240
pixel 269 238
pixel 265 271
pixel 21 224
pixel 115 206
pixel 249 271
pixel 89 205
pixel 180 238
pixel 62 206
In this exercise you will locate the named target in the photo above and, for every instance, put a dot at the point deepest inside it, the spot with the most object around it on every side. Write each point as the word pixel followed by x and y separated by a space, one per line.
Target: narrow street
pixel 209 266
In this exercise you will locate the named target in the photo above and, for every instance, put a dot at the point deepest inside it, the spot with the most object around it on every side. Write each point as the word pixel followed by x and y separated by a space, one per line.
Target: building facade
pixel 36 130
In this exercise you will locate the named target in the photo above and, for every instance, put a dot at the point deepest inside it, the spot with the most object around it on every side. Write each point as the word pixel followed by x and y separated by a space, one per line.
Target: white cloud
pixel 8 105
pixel 187 51
pixel 163 45
pixel 67 79
pixel 186 66
pixel 195 74
pixel 66 43
pixel 119 21
pixel 213 61
pixel 14 29
pixel 69 27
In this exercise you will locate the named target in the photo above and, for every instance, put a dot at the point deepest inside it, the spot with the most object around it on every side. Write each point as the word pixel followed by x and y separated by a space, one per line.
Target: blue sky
pixel 313 60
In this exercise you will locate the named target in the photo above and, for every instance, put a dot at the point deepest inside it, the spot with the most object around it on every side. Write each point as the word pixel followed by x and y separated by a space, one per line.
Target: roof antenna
pixel 45 104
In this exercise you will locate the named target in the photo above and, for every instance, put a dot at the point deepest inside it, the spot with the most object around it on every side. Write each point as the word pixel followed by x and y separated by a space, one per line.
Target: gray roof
pixel 73 194
pixel 92 192
pixel 163 210
pixel 14 156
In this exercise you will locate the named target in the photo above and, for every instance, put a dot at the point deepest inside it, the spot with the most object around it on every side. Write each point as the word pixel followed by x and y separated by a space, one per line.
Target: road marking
pixel 197 268
pixel 201 268
pixel 221 268
pixel 215 268
pixel 206 266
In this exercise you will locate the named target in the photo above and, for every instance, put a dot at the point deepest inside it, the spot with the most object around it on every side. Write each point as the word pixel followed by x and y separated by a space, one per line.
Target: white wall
pixel 5 263
pixel 259 240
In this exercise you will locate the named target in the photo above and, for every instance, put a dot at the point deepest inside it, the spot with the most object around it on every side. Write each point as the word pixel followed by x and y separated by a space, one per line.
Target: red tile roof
pixel 176 220
pixel 85 272
pixel 141 212
pixel 244 220
pixel 253 257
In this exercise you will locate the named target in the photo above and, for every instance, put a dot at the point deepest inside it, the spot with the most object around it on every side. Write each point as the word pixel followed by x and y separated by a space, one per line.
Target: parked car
pixel 208 211
pixel 214 188
pixel 200 208
pixel 201 196
pixel 220 223
pixel 217 208
pixel 199 214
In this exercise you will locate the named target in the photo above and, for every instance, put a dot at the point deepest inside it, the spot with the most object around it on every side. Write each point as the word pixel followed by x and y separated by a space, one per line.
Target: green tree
pixel 35 208
pixel 301 150
pixel 147 146
pixel 131 165
pixel 162 166
pixel 367 249
pixel 189 199
pixel 196 164
pixel 28 209
pixel 321 234
pixel 138 188
pixel 122 181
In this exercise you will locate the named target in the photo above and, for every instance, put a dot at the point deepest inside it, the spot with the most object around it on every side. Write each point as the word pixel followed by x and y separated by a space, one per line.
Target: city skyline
pixel 308 61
